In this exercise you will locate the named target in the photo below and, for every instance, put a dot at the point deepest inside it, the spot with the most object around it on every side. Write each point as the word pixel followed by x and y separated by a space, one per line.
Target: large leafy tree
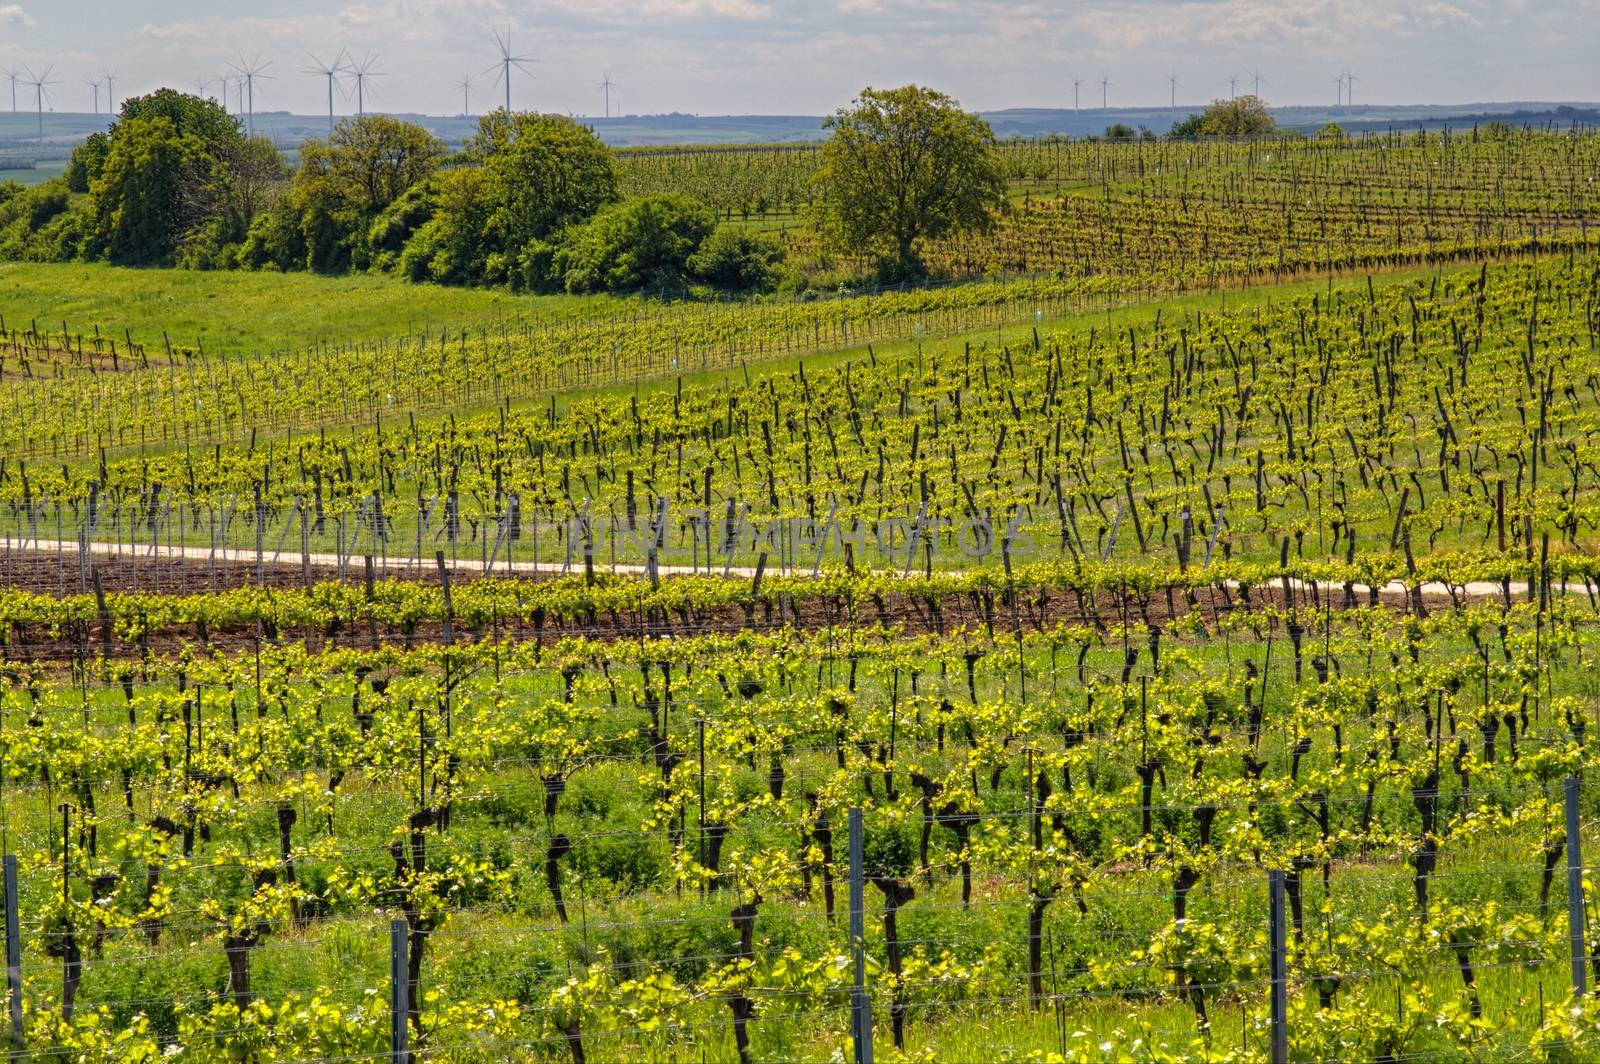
pixel 158 174
pixel 524 178
pixel 548 171
pixel 370 160
pixel 346 181
pixel 190 115
pixel 148 194
pixel 903 166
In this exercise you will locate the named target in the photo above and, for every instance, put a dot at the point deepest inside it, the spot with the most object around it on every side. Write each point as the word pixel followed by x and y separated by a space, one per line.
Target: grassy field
pixel 261 312
pixel 257 312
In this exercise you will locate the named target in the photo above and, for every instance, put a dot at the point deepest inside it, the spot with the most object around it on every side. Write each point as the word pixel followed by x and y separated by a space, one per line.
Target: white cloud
pixel 809 56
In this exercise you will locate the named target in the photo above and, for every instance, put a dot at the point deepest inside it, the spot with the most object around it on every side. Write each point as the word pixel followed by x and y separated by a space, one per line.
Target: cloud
pixel 809 56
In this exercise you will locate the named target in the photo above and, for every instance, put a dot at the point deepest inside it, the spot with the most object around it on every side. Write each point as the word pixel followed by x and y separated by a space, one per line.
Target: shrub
pixel 1242 116
pixel 736 259
pixel 448 247
pixel 642 244
pixel 274 241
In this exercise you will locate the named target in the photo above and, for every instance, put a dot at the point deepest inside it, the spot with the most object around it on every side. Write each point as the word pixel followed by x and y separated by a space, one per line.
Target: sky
pixel 812 56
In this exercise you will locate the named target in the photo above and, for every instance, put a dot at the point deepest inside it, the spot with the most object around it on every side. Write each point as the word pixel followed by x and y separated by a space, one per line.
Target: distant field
pixel 1166 214
pixel 41 172
pixel 287 130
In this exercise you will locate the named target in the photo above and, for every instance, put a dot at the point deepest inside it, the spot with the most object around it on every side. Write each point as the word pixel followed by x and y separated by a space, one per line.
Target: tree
pixel 154 178
pixel 87 162
pixel 397 223
pixel 147 196
pixel 1189 127
pixel 346 181
pixel 40 223
pixel 904 166
pixel 1242 116
pixel 495 219
pixel 190 115
pixel 248 180
pixel 548 173
pixel 448 247
pixel 369 160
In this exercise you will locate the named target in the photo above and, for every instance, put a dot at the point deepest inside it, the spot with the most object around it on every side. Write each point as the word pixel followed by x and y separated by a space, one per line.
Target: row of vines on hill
pixel 1381 423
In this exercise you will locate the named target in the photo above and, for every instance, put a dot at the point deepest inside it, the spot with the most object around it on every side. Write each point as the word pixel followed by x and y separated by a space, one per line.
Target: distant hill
pixel 19 131
pixel 1038 122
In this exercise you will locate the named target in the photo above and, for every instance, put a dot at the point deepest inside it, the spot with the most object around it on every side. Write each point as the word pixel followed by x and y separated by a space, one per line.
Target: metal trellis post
pixel 1575 890
pixel 1280 979
pixel 399 996
pixel 13 954
pixel 860 1005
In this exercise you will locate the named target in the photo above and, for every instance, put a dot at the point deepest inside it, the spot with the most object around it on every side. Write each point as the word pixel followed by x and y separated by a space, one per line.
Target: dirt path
pixel 285 568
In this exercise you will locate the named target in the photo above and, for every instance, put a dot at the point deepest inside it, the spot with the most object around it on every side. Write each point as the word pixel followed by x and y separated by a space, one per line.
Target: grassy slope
pixel 255 311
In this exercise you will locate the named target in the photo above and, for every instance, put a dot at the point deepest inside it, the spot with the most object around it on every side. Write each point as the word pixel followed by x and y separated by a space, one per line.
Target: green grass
pixel 236 311
pixel 257 312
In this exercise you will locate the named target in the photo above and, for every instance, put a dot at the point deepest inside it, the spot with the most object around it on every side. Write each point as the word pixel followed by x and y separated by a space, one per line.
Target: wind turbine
pixel 465 85
pixel 94 83
pixel 331 71
pixel 40 83
pixel 110 78
pixel 1077 83
pixel 1256 75
pixel 1339 81
pixel 1172 83
pixel 1233 87
pixel 507 61
pixel 247 71
pixel 607 84
pixel 15 76
pixel 359 73
pixel 1349 88
pixel 1105 83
